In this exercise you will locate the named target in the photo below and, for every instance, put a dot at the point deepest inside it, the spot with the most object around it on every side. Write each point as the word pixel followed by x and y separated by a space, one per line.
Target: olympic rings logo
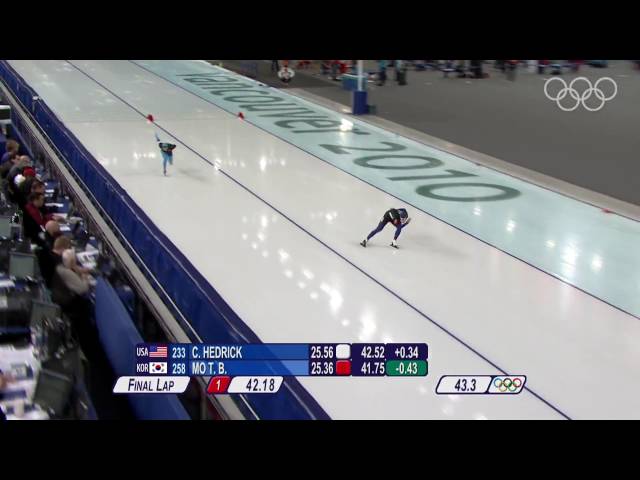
pixel 507 384
pixel 580 98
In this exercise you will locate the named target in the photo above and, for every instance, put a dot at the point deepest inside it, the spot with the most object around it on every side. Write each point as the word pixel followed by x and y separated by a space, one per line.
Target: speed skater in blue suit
pixel 396 216
pixel 166 149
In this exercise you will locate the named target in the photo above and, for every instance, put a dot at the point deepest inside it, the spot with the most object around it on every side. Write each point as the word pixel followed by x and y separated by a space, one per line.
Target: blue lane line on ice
pixel 248 190
pixel 553 275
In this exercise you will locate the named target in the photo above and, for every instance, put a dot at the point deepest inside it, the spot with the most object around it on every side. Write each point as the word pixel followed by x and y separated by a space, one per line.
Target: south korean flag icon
pixel 157 368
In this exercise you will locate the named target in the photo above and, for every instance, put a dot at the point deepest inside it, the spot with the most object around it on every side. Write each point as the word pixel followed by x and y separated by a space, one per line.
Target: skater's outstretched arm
pixel 400 226
pixel 398 231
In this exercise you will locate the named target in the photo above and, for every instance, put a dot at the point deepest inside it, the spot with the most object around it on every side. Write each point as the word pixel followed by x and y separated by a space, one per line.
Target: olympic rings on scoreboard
pixel 580 98
pixel 507 385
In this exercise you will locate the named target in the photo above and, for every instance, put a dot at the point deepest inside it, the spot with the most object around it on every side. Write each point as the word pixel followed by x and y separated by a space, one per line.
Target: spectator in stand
pixel 68 288
pixel 6 167
pixel 37 186
pixel 401 72
pixel 34 221
pixel 12 148
pixel 73 277
pixel 476 68
pixel 23 163
pixel 28 186
pixel 542 64
pixel 13 188
pixel 50 258
pixel 30 180
pixel 335 66
pixel 23 187
pixel 52 232
pixel 382 72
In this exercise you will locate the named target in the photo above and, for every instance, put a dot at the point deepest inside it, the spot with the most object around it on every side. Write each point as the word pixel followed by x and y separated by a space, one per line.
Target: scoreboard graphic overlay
pixel 261 368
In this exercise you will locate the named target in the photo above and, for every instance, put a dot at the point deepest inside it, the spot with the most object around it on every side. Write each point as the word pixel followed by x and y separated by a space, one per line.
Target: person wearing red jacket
pixel 34 220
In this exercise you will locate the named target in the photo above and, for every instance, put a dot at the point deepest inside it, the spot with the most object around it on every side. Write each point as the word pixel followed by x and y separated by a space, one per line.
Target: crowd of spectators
pixel 68 282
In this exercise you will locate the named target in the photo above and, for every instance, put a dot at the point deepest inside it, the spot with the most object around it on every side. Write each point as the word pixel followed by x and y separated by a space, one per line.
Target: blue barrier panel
pixel 119 338
pixel 360 106
pixel 205 310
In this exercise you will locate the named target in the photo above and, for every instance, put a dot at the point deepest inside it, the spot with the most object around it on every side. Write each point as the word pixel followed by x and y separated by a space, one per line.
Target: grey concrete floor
pixel 513 120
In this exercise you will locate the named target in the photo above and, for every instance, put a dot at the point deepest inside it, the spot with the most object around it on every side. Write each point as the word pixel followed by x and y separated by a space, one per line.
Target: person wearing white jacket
pixel 69 287
pixel 75 278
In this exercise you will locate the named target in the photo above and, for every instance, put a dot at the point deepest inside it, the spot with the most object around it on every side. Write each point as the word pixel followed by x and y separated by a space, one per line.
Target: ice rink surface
pixel 275 230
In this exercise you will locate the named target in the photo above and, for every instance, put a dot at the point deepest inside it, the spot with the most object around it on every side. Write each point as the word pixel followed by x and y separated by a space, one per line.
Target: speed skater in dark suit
pixel 166 149
pixel 396 216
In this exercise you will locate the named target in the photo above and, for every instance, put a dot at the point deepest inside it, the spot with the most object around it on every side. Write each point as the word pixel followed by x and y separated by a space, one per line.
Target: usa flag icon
pixel 158 351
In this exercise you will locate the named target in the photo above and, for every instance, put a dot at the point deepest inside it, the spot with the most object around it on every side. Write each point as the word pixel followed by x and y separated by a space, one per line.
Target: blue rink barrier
pixel 205 310
pixel 119 338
